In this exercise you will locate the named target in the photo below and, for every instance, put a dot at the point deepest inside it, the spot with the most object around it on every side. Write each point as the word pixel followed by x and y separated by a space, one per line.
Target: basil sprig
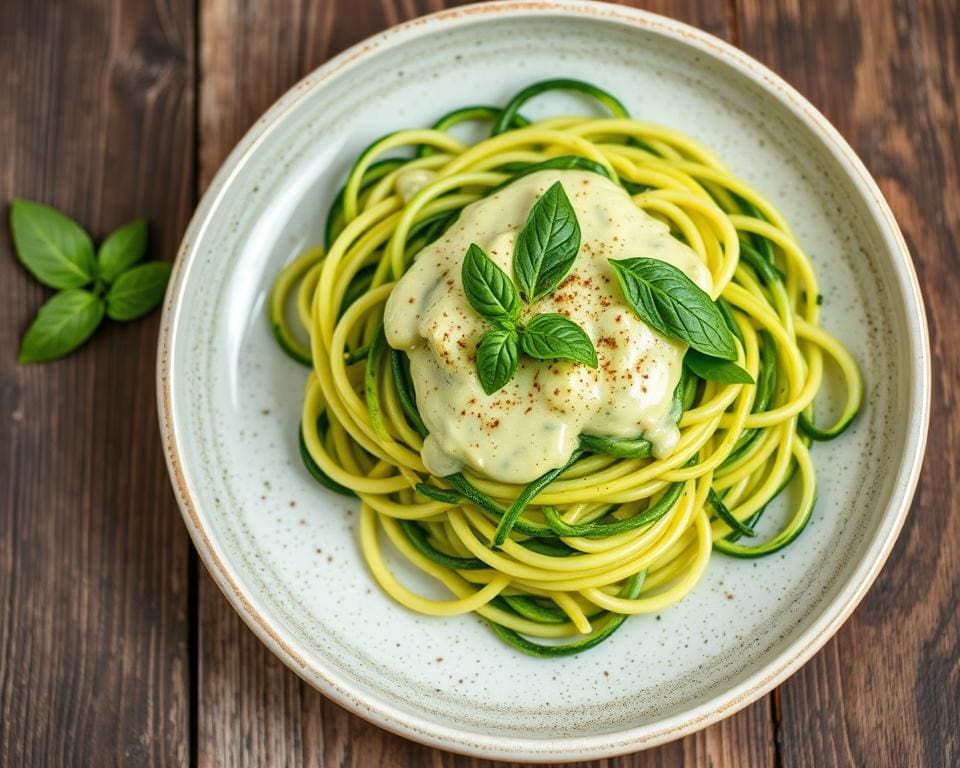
pixel 671 303
pixel 545 250
pixel 57 251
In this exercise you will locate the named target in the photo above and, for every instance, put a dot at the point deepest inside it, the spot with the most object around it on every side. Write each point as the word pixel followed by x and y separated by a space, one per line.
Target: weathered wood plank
pixel 97 119
pixel 886 690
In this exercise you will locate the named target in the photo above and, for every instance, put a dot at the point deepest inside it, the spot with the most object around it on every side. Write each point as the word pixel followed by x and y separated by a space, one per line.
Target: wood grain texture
pixel 886 690
pixel 251 709
pixel 96 105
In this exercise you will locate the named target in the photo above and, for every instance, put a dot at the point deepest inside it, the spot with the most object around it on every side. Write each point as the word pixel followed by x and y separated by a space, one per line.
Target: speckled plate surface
pixel 285 552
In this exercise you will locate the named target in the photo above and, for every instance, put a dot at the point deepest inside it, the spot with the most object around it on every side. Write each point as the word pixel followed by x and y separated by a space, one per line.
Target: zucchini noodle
pixel 614 532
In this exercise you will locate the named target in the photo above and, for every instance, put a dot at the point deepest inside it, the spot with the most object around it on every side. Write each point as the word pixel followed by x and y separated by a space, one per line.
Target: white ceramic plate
pixel 285 552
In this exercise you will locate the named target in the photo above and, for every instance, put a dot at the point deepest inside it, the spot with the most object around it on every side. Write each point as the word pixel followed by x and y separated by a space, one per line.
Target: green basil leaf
pixel 489 289
pixel 497 359
pixel 121 250
pixel 715 369
pixel 53 247
pixel 547 245
pixel 548 337
pixel 138 290
pixel 62 324
pixel 670 302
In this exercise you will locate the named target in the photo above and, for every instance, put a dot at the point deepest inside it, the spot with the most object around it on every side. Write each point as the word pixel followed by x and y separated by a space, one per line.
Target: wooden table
pixel 117 648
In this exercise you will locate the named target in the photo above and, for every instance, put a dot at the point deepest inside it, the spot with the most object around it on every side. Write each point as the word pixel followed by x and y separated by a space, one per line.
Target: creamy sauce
pixel 532 424
pixel 409 183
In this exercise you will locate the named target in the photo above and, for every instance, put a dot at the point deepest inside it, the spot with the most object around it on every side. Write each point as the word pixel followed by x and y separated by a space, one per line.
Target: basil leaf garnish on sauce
pixel 670 302
pixel 489 289
pixel 497 359
pixel 552 336
pixel 547 245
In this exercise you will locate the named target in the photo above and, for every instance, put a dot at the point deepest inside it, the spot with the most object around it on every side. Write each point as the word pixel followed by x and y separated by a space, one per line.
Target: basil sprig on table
pixel 671 303
pixel 60 254
pixel 543 255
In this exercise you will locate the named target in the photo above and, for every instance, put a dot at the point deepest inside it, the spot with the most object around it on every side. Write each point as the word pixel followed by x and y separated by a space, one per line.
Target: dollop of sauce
pixel 409 183
pixel 533 423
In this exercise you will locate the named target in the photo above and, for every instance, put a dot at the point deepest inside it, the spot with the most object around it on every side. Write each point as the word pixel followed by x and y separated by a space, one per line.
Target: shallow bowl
pixel 285 552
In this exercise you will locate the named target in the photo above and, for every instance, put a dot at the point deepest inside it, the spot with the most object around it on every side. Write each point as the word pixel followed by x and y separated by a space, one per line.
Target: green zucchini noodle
pixel 614 532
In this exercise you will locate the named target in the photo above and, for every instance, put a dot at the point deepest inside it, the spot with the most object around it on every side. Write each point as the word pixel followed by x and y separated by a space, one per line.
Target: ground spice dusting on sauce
pixel 533 424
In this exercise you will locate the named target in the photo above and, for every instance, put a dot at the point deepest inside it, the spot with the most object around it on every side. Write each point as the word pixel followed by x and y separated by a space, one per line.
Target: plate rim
pixel 811 639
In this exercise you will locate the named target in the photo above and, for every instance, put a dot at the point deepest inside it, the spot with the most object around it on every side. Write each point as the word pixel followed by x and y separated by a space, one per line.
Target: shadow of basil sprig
pixel 110 281
pixel 544 252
